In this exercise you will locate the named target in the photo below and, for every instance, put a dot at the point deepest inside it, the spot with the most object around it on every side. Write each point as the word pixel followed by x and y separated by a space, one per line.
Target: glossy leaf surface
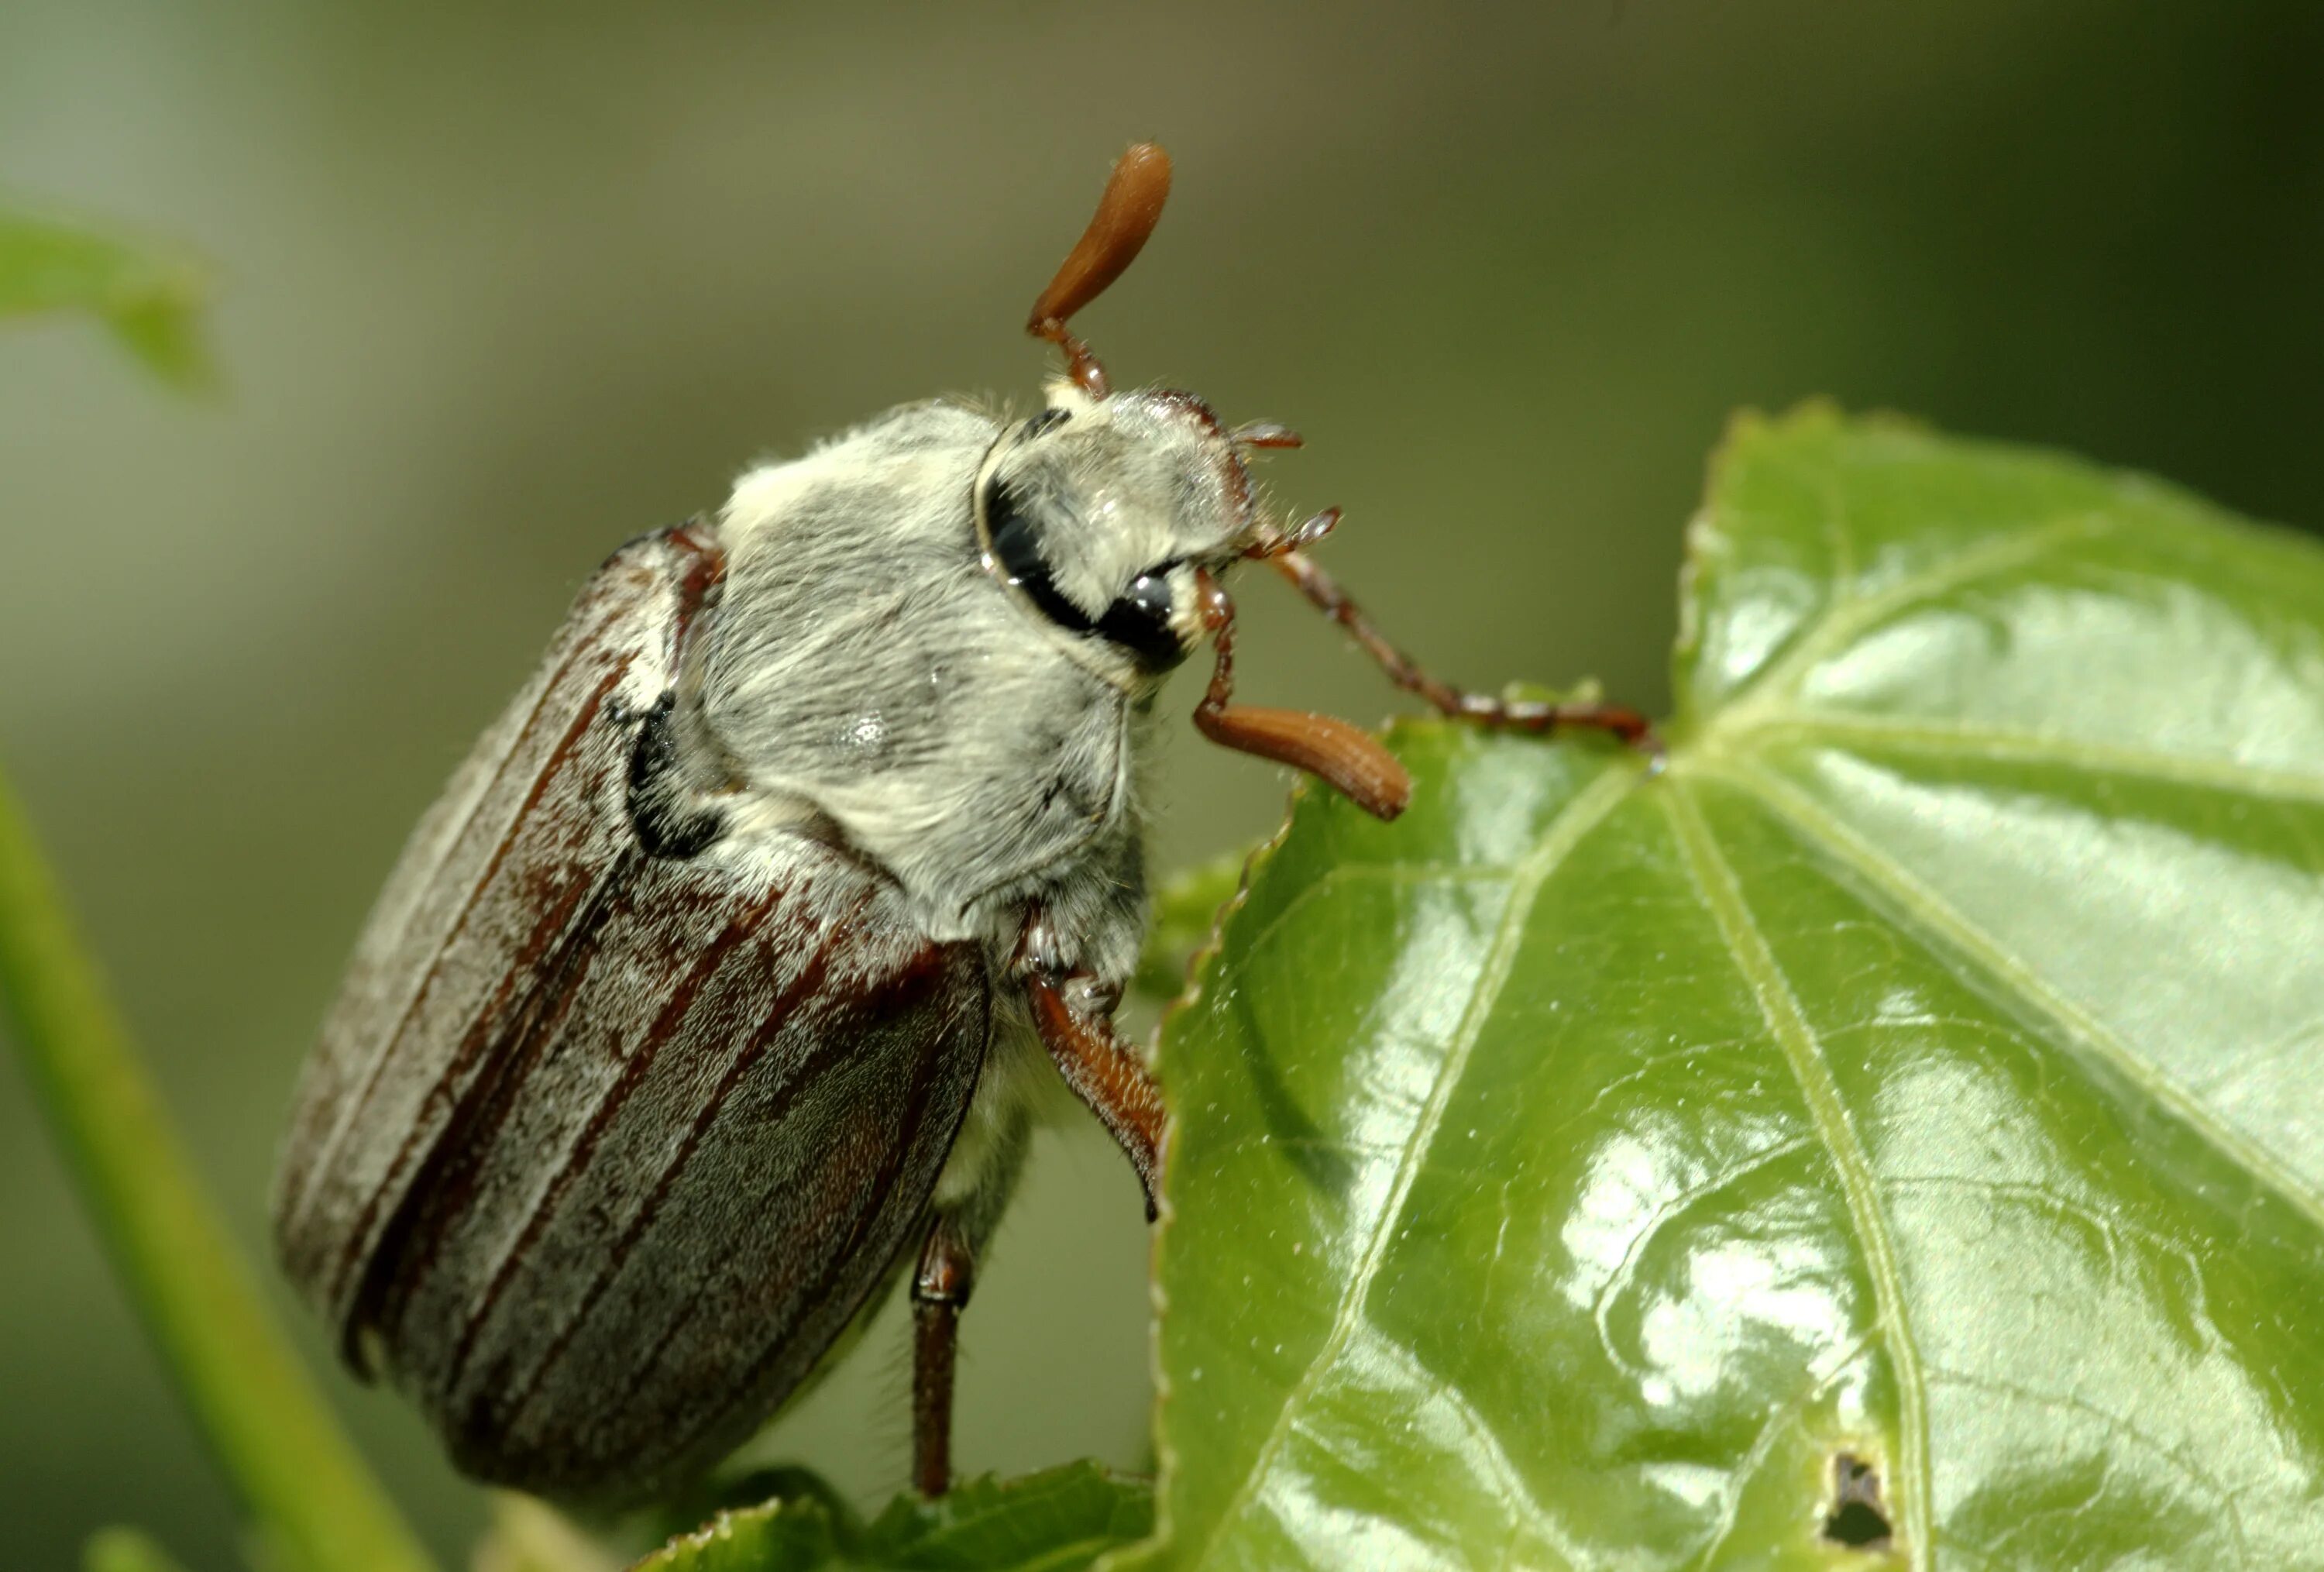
pixel 1891 1136
pixel 1056 1521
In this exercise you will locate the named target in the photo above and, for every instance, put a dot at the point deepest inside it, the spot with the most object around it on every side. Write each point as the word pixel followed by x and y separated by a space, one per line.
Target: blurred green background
pixel 502 286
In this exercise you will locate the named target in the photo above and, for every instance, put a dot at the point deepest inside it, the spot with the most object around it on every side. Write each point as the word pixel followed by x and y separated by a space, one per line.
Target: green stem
pixel 313 1505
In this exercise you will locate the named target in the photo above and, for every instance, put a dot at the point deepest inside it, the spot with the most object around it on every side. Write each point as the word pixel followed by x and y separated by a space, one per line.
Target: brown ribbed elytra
pixel 545 1259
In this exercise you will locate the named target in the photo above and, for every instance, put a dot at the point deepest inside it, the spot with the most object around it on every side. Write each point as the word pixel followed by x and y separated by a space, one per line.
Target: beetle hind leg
pixel 940 1289
pixel 942 1279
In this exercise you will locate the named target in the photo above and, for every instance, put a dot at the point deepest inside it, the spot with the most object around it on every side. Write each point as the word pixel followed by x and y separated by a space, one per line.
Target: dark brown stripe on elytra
pixel 706 575
pixel 443 1183
pixel 912 981
pixel 609 1107
pixel 321 1161
pixel 518 972
pixel 700 578
pixel 809 980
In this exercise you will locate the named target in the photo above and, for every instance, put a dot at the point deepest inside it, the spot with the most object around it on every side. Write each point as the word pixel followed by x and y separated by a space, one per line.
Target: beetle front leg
pixel 1103 1071
pixel 940 1289
pixel 1518 715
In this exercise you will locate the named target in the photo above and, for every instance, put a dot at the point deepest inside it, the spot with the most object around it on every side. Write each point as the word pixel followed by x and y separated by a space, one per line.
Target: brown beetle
pixel 722 978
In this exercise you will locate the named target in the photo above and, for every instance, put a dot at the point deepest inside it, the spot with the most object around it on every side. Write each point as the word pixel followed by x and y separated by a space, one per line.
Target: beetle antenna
pixel 1126 214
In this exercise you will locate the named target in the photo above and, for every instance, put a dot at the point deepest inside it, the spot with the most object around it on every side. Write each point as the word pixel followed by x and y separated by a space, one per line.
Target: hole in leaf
pixel 1858 1525
pixel 1857 1519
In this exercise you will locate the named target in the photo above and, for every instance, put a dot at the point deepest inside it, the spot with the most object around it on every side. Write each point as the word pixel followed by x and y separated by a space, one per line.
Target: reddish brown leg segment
pixel 1350 758
pixel 1104 1073
pixel 1520 715
pixel 939 1290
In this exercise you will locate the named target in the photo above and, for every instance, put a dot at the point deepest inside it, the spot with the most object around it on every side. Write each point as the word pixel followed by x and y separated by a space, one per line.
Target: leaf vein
pixel 2000 745
pixel 1730 909
pixel 2121 1426
pixel 1848 616
pixel 1919 909
pixel 1587 809
pixel 1788 1412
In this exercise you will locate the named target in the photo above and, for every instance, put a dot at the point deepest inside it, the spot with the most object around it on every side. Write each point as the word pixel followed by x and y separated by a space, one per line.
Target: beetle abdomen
pixel 687 1186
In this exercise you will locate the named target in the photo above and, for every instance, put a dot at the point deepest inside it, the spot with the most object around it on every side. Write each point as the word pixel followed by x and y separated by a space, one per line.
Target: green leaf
pixel 1891 1135
pixel 125 1550
pixel 1185 914
pixel 149 296
pixel 1052 1521
pixel 529 1535
pixel 313 1506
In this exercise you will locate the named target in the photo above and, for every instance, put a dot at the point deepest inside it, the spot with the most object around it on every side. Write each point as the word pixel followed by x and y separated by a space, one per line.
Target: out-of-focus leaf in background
pixel 1185 911
pixel 1895 1124
pixel 147 294
pixel 1053 1521
pixel 125 1550
pixel 310 1504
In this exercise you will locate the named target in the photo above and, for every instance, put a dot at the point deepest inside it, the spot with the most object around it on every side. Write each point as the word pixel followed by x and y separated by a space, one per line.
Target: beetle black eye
pixel 1016 549
pixel 1010 530
pixel 1140 622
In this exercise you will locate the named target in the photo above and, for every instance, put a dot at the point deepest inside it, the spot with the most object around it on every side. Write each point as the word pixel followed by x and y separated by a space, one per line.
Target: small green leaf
pixel 529 1535
pixel 1185 912
pixel 149 296
pixel 1890 1136
pixel 1056 1521
pixel 125 1550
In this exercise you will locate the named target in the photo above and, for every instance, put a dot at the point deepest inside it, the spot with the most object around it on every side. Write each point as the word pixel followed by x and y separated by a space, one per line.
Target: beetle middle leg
pixel 1514 714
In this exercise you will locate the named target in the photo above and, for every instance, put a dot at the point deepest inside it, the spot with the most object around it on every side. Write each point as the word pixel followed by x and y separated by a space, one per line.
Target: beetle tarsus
pixel 1323 591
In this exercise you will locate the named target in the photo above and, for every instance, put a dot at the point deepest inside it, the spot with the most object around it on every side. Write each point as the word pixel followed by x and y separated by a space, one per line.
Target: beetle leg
pixel 946 1272
pixel 940 1288
pixel 1513 714
pixel 1350 758
pixel 1103 1072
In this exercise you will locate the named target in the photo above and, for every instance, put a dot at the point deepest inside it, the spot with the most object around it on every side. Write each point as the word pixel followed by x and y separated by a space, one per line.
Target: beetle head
pixel 1104 507
pixel 1114 513
pixel 1100 509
